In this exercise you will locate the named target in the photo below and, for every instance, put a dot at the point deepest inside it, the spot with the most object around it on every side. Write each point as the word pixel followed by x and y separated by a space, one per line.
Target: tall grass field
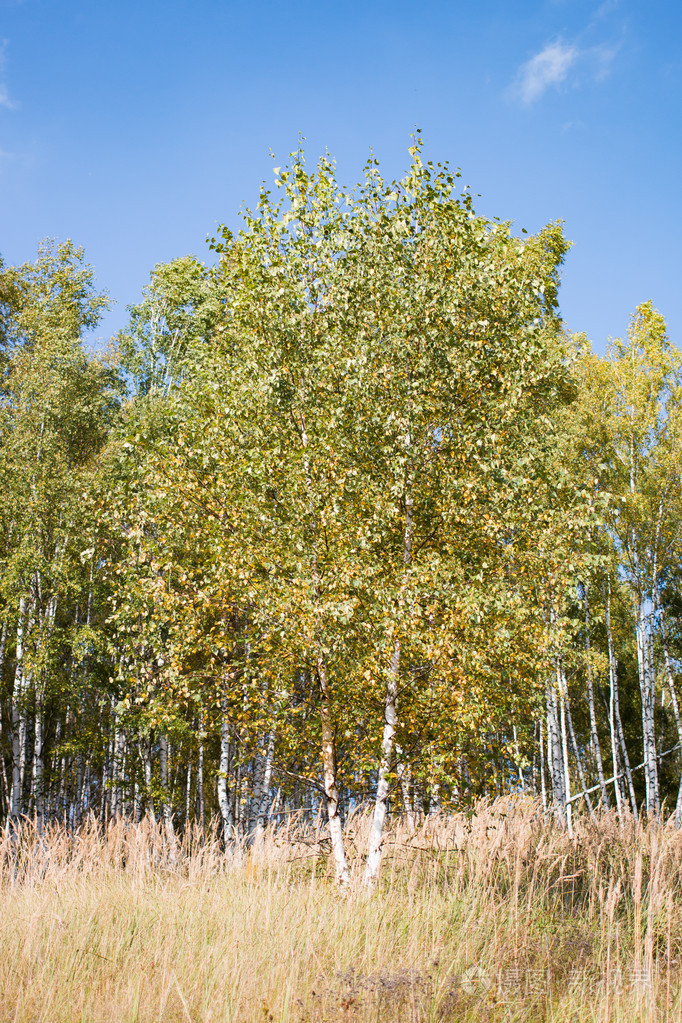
pixel 492 915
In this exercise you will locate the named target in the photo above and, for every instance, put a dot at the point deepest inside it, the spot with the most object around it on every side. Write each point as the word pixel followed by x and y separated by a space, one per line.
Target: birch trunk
pixel 576 750
pixel 594 734
pixel 554 752
pixel 517 751
pixel 188 788
pixel 166 807
pixel 201 805
pixel 19 728
pixel 223 792
pixel 676 714
pixel 405 779
pixel 647 691
pixel 266 783
pixel 613 696
pixel 6 791
pixel 543 787
pixel 326 723
pixel 145 748
pixel 116 761
pixel 390 707
pixel 618 724
pixel 78 795
pixel 38 772
pixel 561 685
pixel 383 787
pixel 329 768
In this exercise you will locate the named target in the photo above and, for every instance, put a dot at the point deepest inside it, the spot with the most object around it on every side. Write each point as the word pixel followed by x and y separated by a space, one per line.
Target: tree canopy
pixel 346 516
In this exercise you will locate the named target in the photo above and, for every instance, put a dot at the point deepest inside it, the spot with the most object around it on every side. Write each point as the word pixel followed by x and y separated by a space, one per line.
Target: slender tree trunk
pixel 138 801
pixel 145 748
pixel 594 734
pixel 561 686
pixel 63 763
pixel 613 695
pixel 116 761
pixel 201 805
pixel 543 786
pixel 236 795
pixel 19 724
pixel 326 722
pixel 647 690
pixel 188 788
pixel 383 787
pixel 576 750
pixel 554 752
pixel 390 706
pixel 618 724
pixel 125 772
pixel 257 777
pixel 517 751
pixel 78 794
pixel 166 807
pixel 329 768
pixel 6 791
pixel 266 783
pixel 405 778
pixel 223 792
pixel 676 714
pixel 38 773
pixel 645 669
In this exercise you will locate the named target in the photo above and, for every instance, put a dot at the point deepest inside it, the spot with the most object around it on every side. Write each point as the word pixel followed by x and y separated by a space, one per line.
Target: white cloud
pixel 553 64
pixel 548 67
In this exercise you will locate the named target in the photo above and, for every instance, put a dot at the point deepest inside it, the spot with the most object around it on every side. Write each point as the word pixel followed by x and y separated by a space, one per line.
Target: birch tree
pixel 631 415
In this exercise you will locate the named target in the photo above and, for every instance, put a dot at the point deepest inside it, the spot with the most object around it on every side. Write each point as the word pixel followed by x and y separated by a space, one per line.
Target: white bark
pixel 201 805
pixel 266 783
pixel 18 717
pixel 6 791
pixel 543 786
pixel 405 778
pixel 166 807
pixel 647 691
pixel 554 752
pixel 327 728
pixel 118 747
pixel 613 693
pixel 383 787
pixel 676 714
pixel 576 749
pixel 329 769
pixel 594 734
pixel 561 685
pixel 223 793
pixel 617 722
pixel 188 789
pixel 145 748
pixel 390 707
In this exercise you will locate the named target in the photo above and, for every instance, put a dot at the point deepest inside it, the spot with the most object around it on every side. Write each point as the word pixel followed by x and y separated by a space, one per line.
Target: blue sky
pixel 134 128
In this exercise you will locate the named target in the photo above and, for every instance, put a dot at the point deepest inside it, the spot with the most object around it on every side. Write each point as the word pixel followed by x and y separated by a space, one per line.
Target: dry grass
pixel 491 916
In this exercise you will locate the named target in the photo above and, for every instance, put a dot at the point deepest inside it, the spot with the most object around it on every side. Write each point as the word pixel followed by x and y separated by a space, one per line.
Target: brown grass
pixel 491 916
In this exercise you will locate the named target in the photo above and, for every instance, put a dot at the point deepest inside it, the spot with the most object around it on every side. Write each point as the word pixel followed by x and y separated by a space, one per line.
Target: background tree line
pixel 346 516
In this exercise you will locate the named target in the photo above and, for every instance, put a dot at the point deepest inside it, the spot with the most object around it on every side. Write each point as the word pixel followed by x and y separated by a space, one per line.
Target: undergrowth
pixel 495 915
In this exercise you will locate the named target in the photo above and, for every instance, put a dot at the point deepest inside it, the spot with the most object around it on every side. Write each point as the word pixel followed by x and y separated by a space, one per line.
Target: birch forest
pixel 345 517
